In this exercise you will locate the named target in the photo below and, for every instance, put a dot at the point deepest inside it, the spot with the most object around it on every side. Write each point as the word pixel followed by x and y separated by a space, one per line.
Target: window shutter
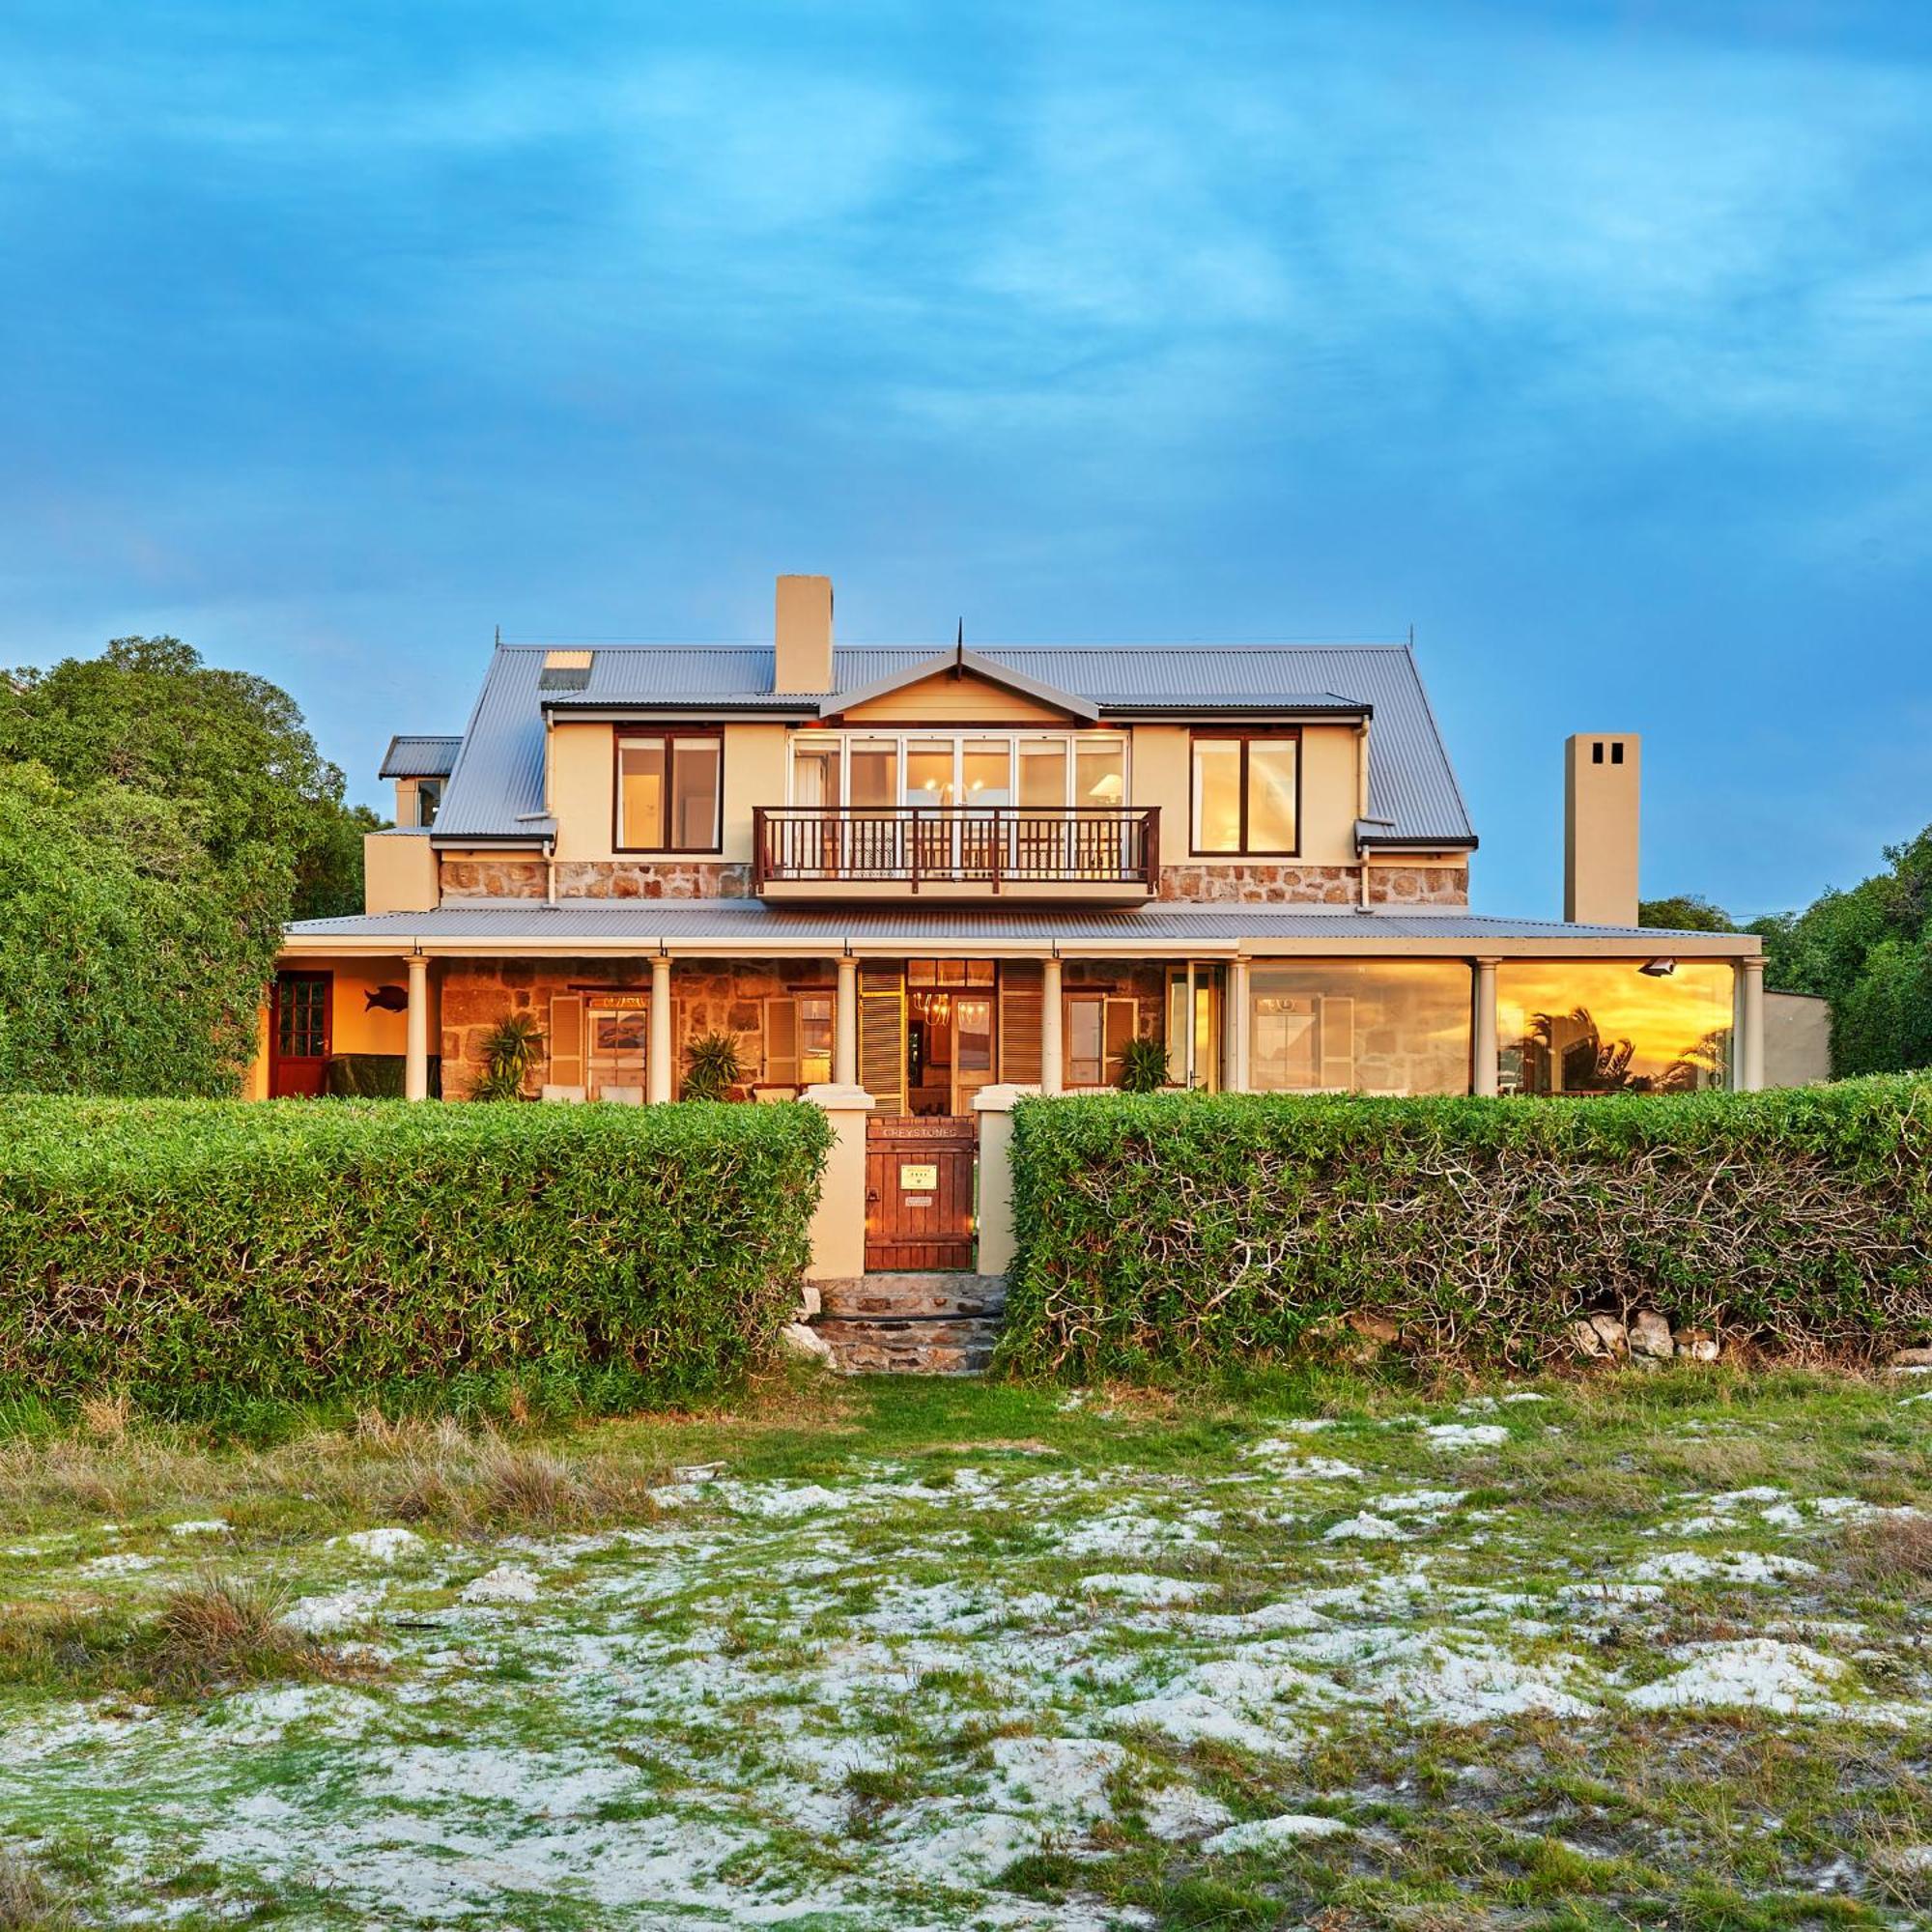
pixel 1019 1024
pixel 1338 1042
pixel 1123 1024
pixel 882 1041
pixel 781 1042
pixel 566 1040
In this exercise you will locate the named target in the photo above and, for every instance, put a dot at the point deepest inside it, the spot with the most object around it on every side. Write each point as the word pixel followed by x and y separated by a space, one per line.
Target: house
pixel 922 870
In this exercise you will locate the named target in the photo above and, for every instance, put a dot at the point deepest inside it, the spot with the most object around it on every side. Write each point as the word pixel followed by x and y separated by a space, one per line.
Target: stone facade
pixel 1248 882
pixel 522 878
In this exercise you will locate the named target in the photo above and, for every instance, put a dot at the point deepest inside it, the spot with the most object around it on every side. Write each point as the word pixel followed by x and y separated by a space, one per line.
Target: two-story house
pixel 921 870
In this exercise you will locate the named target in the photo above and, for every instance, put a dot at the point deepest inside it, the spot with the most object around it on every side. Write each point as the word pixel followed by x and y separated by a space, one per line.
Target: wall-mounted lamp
pixel 1659 969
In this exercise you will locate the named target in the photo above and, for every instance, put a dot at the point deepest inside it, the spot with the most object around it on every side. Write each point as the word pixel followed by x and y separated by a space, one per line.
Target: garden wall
pixel 192 1252
pixel 1194 1231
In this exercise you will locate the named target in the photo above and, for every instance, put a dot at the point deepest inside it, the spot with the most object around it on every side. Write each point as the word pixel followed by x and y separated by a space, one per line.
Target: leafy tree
pixel 158 821
pixel 1686 913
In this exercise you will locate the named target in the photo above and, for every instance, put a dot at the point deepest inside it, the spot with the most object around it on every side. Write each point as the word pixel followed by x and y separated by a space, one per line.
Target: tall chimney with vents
pixel 1602 780
pixel 803 647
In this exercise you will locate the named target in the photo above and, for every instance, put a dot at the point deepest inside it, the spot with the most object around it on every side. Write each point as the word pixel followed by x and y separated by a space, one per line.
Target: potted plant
pixel 1143 1066
pixel 511 1049
pixel 711 1068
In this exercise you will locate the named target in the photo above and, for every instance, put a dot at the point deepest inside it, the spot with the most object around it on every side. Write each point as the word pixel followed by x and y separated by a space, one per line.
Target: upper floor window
pixel 671 791
pixel 429 795
pixel 1035 771
pixel 1247 792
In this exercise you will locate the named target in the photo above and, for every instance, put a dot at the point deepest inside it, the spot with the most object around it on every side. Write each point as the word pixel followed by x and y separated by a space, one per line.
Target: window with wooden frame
pixel 671 791
pixel 798 1039
pixel 1098 1028
pixel 1247 794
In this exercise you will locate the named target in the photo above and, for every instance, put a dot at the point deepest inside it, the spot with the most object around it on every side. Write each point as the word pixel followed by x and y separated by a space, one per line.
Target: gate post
pixel 838 1222
pixel 994 1107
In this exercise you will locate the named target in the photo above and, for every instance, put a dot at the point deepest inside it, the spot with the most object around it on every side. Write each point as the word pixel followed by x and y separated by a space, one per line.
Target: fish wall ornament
pixel 392 999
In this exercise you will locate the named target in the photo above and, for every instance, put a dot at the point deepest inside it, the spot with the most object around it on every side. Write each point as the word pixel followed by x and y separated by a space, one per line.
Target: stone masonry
pixel 522 878
pixel 1250 882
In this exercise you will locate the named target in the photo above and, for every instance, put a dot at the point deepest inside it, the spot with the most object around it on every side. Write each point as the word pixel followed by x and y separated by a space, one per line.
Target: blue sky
pixel 1592 340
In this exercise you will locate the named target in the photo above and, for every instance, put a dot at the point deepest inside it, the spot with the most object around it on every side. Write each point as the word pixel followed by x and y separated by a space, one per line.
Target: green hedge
pixel 1195 1232
pixel 191 1252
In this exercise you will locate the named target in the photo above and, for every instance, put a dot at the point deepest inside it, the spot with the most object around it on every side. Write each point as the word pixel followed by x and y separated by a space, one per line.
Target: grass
pixel 866 1655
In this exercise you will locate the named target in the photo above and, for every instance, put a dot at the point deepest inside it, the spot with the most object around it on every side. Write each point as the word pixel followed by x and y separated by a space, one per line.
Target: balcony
pixel 1104 854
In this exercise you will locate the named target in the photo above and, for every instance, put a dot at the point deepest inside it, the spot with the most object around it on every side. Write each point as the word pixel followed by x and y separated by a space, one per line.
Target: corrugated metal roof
pixel 496 790
pixel 732 921
pixel 419 757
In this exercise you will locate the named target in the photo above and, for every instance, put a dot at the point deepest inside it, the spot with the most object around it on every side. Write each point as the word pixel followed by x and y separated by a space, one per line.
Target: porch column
pixel 658 1086
pixel 1748 1023
pixel 1052 1052
pixel 994 1223
pixel 1485 1081
pixel 1238 1026
pixel 839 1221
pixel 416 1043
pixel 845 1026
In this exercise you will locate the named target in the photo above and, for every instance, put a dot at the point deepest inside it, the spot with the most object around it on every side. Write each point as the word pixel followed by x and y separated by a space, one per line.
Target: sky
pixel 1591 339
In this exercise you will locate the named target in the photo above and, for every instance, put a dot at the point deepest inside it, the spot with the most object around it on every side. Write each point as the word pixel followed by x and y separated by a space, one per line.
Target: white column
pixel 993 1225
pixel 1052 1053
pixel 1238 1025
pixel 839 1221
pixel 415 1047
pixel 1747 1019
pixel 658 1067
pixel 845 1026
pixel 1485 1081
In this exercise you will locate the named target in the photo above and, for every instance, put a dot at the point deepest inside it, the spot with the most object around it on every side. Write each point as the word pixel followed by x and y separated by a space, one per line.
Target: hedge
pixel 1193 1231
pixel 191 1252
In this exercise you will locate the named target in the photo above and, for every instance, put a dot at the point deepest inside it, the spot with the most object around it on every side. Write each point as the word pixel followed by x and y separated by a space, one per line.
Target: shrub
pixel 511 1049
pixel 1143 1066
pixel 193 1253
pixel 1194 1230
pixel 375 1076
pixel 711 1068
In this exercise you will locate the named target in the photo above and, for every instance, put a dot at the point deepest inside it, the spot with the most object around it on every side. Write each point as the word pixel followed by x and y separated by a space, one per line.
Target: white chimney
pixel 1601 783
pixel 801 647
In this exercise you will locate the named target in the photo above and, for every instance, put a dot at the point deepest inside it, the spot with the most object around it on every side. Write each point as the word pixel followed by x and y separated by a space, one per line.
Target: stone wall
pixel 1269 883
pixel 522 878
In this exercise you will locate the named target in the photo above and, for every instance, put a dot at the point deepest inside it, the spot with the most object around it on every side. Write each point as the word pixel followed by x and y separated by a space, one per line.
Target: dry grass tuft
pixel 27 1903
pixel 106 1416
pixel 225 1631
pixel 1892 1555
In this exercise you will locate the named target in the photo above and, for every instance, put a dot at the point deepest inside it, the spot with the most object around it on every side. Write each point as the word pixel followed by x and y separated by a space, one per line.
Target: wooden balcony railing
pixel 985 847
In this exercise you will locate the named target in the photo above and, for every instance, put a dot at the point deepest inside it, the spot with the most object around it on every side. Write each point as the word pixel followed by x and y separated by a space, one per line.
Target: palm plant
pixel 511 1049
pixel 711 1068
pixel 1143 1066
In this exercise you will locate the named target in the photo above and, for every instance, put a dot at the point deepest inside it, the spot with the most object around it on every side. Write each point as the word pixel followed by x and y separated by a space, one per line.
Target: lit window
pixel 1245 791
pixel 669 791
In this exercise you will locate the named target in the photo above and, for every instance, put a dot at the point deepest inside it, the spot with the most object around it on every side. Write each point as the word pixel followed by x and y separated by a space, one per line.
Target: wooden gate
pixel 919 1194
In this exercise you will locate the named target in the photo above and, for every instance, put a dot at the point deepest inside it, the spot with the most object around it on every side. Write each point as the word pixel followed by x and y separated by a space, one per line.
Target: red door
pixel 919 1194
pixel 298 1034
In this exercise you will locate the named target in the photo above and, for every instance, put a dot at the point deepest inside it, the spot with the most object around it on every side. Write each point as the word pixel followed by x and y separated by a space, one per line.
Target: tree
pixel 1686 913
pixel 158 821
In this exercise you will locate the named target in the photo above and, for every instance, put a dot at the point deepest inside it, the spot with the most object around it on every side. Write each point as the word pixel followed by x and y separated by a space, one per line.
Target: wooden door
pixel 919 1194
pixel 298 1034
pixel 972 1048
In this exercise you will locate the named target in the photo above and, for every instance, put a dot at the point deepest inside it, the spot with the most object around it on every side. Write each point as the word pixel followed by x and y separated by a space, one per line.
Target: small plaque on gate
pixel 919 1175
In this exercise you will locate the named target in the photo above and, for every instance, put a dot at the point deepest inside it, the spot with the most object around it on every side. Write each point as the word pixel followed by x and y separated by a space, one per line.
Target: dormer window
pixel 671 791
pixel 429 796
pixel 1247 794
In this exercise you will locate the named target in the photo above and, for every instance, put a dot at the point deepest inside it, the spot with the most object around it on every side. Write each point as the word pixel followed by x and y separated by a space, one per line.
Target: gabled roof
pixel 419 757
pixel 496 790
pixel 960 662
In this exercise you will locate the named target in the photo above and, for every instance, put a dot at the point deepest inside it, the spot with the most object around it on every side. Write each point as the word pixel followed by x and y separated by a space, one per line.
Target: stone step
pixel 909 1345
pixel 905 1297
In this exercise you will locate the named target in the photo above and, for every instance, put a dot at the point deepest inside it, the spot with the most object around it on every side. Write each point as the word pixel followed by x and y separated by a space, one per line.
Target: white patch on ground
pixel 1177 1813
pixel 120 1565
pixel 1259 1834
pixel 341 1610
pixel 213 1526
pixel 1464 1435
pixel 1734 1566
pixel 390 1543
pixel 1364 1528
pixel 507 1583
pixel 1142 1588
pixel 1419 1502
pixel 1754 1672
pixel 1122 1531
pixel 261 1717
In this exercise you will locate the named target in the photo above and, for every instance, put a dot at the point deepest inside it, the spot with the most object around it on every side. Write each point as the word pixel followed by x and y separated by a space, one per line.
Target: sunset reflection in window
pixel 1605 1027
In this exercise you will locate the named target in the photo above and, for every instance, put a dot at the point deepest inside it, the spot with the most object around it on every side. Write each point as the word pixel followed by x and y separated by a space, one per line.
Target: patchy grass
pixel 1319 1652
